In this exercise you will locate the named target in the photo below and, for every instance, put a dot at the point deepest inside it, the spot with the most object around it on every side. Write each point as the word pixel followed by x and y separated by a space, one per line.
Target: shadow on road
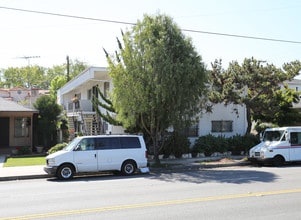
pixel 214 175
pixel 192 174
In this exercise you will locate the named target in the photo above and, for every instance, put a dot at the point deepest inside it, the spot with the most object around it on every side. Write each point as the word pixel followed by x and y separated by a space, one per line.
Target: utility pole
pixel 68 74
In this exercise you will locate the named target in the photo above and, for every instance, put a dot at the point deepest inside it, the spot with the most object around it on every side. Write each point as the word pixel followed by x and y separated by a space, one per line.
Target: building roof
pixel 11 106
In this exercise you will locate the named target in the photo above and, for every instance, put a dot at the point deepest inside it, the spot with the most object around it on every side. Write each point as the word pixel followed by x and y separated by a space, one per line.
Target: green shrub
pixel 176 144
pixel 209 144
pixel 23 150
pixel 56 148
pixel 236 144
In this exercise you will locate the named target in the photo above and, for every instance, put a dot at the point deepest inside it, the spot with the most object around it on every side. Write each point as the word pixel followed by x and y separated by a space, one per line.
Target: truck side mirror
pixel 261 136
pixel 287 137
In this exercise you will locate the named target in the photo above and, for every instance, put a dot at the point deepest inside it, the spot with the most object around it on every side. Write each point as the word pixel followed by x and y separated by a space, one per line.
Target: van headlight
pixel 51 162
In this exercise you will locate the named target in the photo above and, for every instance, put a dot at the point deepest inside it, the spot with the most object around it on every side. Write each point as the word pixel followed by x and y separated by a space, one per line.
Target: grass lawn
pixel 24 161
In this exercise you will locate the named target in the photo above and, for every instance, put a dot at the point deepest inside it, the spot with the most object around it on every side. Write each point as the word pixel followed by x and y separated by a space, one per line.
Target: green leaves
pixel 158 77
pixel 255 84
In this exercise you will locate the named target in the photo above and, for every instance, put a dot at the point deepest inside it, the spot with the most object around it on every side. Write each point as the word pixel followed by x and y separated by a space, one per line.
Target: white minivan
pixel 124 153
pixel 277 146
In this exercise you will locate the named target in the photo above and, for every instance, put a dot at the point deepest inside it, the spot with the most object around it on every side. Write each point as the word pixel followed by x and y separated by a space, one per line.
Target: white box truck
pixel 124 153
pixel 277 146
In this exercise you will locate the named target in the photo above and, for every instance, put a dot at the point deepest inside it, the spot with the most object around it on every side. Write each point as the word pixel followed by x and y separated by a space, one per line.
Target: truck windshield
pixel 272 135
pixel 72 144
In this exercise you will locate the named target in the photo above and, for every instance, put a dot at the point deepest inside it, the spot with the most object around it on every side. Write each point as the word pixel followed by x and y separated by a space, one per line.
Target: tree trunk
pixel 249 120
pixel 156 151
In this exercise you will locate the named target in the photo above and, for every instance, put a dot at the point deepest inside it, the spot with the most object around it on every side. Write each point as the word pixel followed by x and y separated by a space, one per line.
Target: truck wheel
pixel 278 161
pixel 65 172
pixel 128 168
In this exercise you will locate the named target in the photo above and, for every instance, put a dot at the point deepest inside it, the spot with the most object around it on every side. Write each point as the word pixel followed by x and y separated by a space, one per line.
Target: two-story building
pixel 76 99
pixel 76 96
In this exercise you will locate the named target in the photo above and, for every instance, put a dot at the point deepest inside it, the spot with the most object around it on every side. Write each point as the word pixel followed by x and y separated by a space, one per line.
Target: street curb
pixel 25 177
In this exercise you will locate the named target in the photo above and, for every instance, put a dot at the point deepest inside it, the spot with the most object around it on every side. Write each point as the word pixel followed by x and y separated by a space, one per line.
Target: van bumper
pixel 260 160
pixel 144 170
pixel 50 170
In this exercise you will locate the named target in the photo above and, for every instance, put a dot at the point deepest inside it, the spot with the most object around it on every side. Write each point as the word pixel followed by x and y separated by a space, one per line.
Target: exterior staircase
pixel 90 124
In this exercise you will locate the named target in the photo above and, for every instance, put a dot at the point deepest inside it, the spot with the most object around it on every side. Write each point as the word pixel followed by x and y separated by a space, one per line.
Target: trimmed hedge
pixel 209 144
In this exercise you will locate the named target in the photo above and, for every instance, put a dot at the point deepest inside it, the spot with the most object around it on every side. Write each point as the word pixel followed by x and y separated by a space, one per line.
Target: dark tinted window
pixel 295 138
pixel 130 142
pixel 107 143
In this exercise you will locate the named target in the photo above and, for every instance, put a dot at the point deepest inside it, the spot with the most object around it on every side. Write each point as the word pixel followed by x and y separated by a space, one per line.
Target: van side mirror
pixel 78 148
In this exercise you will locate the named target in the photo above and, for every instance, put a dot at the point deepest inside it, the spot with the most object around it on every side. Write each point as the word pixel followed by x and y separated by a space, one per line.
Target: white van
pixel 277 146
pixel 124 153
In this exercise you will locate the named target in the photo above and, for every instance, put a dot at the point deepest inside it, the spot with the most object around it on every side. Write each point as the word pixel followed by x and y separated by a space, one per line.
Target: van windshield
pixel 72 144
pixel 272 135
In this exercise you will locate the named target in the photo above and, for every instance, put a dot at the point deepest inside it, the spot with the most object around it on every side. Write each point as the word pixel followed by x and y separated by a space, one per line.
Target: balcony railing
pixel 80 105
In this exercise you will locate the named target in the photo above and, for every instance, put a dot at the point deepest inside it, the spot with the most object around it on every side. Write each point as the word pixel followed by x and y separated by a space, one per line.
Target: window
pixel 192 131
pixel 129 142
pixel 21 127
pixel 107 143
pixel 295 138
pixel 90 94
pixel 106 88
pixel 221 126
pixel 86 144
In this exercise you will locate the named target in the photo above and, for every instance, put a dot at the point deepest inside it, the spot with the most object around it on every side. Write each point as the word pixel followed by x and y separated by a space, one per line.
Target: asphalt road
pixel 220 193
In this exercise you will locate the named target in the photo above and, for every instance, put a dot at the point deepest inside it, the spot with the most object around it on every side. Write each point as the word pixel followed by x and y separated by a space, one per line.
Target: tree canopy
pixel 158 78
pixel 25 77
pixel 255 84
pixel 37 76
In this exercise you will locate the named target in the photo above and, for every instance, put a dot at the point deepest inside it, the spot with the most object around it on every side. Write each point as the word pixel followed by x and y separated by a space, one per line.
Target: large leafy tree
pixel 283 112
pixel 255 84
pixel 25 77
pixel 158 78
pixel 37 76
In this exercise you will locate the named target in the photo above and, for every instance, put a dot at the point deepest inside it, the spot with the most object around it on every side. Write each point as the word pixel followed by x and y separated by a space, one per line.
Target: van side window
pixel 107 143
pixel 130 142
pixel 86 144
pixel 296 138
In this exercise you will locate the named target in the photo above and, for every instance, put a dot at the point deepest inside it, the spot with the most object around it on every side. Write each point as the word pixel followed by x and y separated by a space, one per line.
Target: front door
pixel 85 156
pixel 4 132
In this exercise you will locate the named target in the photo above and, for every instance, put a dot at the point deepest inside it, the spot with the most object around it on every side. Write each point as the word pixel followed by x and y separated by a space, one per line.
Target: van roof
pixel 110 135
pixel 284 128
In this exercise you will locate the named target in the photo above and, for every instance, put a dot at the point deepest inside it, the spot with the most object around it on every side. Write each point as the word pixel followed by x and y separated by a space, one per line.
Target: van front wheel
pixel 65 172
pixel 128 168
pixel 278 161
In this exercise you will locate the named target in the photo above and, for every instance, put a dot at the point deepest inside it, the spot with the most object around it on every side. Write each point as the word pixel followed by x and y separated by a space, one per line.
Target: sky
pixel 48 39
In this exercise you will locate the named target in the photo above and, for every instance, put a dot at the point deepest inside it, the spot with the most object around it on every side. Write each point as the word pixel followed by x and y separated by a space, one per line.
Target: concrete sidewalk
pixel 15 173
pixel 35 172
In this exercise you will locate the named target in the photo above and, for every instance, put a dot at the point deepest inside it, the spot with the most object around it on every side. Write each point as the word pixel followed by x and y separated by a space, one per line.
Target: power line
pixel 130 23
pixel 243 36
pixel 68 16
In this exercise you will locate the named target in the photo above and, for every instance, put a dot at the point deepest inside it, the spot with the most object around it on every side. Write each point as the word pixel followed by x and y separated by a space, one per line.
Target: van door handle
pixel 95 155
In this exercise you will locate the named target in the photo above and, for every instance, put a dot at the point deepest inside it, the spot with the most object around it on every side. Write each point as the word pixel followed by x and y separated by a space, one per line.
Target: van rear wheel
pixel 65 172
pixel 128 168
